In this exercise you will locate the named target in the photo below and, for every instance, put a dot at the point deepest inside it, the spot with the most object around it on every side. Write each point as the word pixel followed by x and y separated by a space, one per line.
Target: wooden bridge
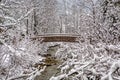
pixel 55 37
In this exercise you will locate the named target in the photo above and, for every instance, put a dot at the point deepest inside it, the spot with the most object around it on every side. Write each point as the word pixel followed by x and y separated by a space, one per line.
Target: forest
pixel 96 55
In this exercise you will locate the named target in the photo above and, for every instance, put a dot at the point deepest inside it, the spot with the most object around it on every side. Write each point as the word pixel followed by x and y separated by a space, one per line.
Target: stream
pixel 51 64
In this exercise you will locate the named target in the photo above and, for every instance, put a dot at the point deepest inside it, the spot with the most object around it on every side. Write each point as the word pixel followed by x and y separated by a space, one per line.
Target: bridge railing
pixel 57 37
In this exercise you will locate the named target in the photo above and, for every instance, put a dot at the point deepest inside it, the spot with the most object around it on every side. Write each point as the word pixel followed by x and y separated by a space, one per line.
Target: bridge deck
pixel 57 37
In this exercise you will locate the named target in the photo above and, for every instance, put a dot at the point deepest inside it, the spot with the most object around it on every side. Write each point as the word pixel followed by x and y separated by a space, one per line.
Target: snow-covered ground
pixel 89 62
pixel 80 61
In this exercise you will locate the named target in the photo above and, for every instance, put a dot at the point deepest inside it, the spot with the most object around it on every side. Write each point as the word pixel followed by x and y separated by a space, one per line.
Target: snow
pixel 59 77
pixel 80 65
pixel 98 57
pixel 5 60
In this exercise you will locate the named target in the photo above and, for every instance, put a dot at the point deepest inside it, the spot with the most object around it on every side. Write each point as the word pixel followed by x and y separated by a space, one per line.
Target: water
pixel 51 64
